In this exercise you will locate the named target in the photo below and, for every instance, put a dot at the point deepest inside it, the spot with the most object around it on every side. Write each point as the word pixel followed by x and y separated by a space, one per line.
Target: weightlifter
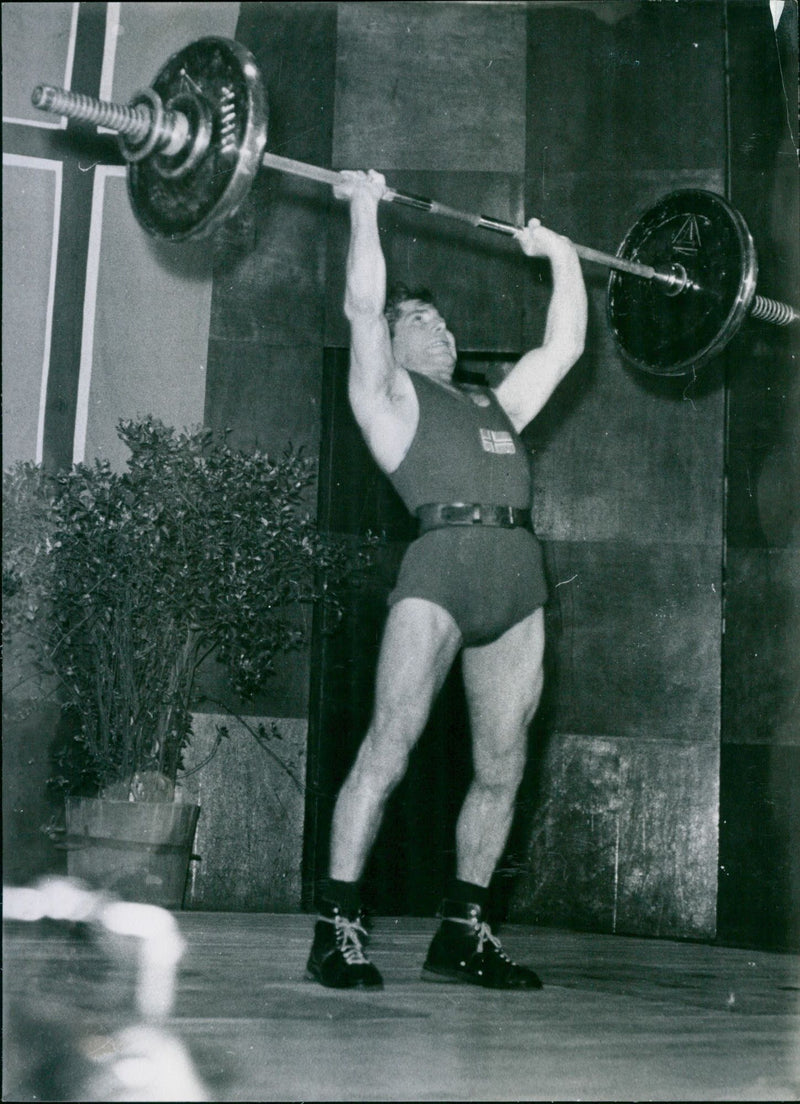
pixel 473 580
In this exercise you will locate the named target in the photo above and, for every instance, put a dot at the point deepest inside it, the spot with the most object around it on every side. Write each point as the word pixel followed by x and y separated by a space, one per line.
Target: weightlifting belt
pixel 438 515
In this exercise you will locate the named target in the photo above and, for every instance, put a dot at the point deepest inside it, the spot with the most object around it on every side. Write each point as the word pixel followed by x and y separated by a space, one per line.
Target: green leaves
pixel 130 579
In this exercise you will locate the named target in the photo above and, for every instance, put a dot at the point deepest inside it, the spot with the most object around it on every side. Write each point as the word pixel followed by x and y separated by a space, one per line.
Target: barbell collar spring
pixel 771 310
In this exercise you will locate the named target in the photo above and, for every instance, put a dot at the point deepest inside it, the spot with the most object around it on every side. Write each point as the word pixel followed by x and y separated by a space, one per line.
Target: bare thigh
pixel 419 645
pixel 503 684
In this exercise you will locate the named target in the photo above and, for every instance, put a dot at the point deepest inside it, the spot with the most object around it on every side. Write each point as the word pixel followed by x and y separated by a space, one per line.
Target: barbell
pixel 682 281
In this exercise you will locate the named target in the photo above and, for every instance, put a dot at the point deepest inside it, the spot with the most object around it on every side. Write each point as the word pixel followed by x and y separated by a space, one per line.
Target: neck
pixel 443 375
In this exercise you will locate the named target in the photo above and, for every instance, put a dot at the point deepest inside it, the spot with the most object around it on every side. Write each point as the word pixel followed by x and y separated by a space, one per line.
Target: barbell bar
pixel 681 282
pixel 145 126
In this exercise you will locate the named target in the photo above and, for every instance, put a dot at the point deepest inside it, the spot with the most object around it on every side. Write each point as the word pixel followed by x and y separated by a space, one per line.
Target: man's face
pixel 422 342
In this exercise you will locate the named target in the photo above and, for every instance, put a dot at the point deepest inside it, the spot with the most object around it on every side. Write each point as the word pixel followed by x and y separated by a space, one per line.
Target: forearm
pixel 565 328
pixel 372 372
pixel 529 384
pixel 365 294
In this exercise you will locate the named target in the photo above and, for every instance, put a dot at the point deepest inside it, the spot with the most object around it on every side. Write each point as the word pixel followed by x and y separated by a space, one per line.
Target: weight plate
pixel 673 334
pixel 224 78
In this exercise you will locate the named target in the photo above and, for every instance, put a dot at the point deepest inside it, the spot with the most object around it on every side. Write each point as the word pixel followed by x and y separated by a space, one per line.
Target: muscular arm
pixel 381 395
pixel 531 381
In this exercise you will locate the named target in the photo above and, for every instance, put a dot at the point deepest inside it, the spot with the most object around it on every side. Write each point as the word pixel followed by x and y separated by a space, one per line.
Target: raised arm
pixel 531 381
pixel 381 395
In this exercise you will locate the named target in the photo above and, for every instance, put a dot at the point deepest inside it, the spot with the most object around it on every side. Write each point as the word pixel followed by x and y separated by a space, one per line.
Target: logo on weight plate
pixel 687 239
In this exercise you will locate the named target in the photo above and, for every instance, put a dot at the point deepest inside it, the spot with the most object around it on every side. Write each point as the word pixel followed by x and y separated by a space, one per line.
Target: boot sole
pixel 442 976
pixel 456 978
pixel 309 976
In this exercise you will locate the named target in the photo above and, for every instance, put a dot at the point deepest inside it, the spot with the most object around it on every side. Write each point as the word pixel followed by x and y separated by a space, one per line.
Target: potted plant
pixel 118 585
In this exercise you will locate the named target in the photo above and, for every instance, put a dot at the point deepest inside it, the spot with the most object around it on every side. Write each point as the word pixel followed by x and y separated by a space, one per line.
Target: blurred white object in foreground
pixel 139 1060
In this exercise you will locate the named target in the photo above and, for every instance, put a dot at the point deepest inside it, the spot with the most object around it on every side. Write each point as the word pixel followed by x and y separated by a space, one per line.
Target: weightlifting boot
pixel 337 957
pixel 464 950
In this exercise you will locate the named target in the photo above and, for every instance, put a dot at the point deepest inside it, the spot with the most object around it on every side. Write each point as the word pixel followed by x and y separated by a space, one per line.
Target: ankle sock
pixel 344 894
pixel 467 893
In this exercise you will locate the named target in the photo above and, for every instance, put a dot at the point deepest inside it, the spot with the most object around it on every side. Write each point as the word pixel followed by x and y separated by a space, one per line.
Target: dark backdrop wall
pixel 584 114
pixel 759 885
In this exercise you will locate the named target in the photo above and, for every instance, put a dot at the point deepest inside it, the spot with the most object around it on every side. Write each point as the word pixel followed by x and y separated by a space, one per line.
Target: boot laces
pixel 348 940
pixel 484 934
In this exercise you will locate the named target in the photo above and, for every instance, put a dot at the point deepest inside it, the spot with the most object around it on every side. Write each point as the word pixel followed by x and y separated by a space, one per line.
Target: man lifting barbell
pixel 473 580
pixel 681 284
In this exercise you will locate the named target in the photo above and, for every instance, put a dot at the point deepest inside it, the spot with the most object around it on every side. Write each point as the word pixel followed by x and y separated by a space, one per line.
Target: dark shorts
pixel 488 579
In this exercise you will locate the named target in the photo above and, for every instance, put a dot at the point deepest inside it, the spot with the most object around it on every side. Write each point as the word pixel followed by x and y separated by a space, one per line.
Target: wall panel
pixel 250 831
pixel 264 386
pixel 422 86
pixel 268 288
pixel 269 278
pixel 433 96
pixel 760 792
pixel 764 437
pixel 623 838
pixel 636 630
pixel 625 87
pixel 268 397
pixel 38 48
pixel 617 455
pixel 141 36
pixel 29 273
pixel 145 336
pixel 762 647
pixel 759 869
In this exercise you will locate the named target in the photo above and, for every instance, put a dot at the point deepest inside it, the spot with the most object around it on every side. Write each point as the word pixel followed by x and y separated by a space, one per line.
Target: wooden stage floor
pixel 619 1018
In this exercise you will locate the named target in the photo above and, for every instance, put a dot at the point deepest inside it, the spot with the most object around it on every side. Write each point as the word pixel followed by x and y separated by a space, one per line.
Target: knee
pixel 381 763
pixel 502 774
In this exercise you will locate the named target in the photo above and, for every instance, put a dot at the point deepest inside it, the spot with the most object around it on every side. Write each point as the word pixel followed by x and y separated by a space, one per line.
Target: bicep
pixel 371 360
pixel 381 395
pixel 528 386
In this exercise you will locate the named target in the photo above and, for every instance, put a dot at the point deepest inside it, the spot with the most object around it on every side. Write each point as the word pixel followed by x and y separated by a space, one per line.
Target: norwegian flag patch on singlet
pixel 497 441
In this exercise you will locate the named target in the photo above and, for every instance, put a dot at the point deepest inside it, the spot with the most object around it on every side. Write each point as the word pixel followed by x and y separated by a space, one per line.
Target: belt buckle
pixel 451 514
pixel 477 515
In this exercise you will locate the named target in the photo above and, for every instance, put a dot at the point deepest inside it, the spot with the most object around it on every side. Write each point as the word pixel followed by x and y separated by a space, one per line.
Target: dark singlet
pixel 465 450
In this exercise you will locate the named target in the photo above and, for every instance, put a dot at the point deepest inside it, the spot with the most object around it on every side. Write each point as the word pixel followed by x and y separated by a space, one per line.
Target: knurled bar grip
pixel 431 206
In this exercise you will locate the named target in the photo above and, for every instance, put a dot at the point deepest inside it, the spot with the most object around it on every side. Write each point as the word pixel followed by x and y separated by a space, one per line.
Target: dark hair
pixel 399 294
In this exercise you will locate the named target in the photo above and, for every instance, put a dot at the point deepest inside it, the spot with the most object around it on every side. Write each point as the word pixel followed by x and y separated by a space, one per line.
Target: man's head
pixel 421 341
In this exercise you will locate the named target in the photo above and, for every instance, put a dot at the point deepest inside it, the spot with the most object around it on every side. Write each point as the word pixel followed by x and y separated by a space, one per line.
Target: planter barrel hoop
pixel 139 850
pixel 77 843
